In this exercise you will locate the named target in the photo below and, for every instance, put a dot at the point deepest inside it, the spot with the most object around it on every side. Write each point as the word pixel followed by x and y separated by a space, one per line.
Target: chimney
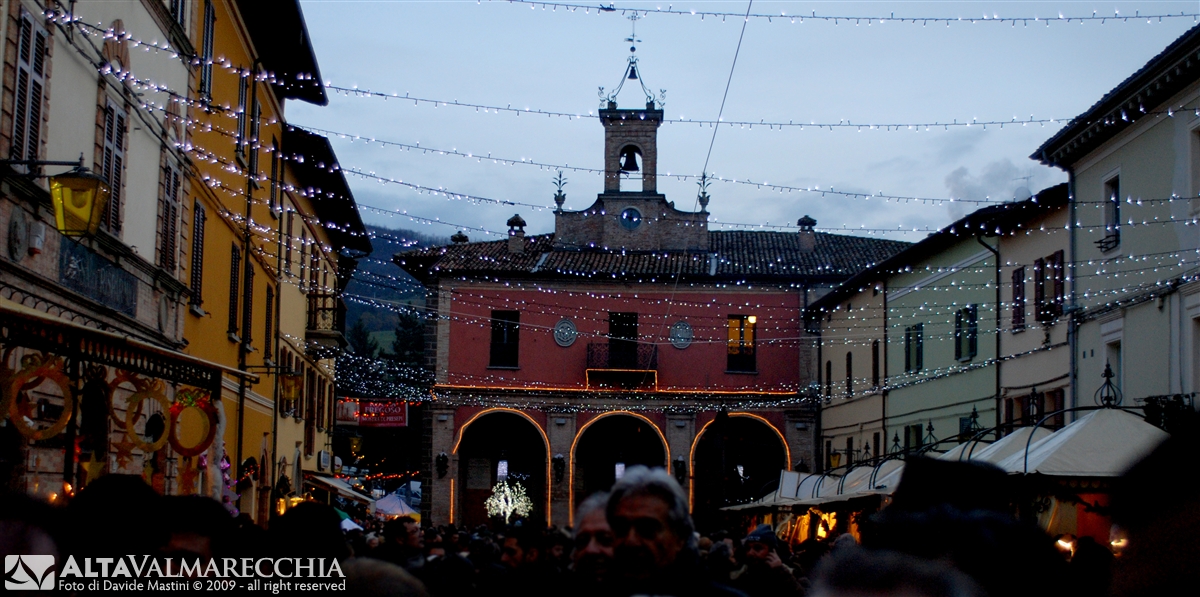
pixel 516 234
pixel 459 238
pixel 808 238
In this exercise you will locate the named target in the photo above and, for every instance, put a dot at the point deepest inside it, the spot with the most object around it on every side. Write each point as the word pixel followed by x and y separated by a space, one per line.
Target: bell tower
pixel 631 147
pixel 629 216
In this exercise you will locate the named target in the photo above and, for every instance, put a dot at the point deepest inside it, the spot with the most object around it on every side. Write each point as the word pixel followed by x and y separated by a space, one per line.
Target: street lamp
pixel 79 196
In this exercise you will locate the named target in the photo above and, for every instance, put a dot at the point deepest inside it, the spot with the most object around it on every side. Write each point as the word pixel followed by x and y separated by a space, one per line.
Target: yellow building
pixel 271 227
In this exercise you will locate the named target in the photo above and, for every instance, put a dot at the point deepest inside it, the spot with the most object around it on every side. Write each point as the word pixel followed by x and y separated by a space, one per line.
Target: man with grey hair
pixel 654 545
pixel 592 556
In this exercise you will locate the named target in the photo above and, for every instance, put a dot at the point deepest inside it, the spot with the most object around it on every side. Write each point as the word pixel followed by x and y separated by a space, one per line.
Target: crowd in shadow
pixel 948 531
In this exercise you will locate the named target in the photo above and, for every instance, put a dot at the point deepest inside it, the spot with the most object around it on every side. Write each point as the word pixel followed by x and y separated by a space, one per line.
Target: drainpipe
pixel 996 254
pixel 1072 321
pixel 883 421
pixel 819 455
pixel 269 474
pixel 248 291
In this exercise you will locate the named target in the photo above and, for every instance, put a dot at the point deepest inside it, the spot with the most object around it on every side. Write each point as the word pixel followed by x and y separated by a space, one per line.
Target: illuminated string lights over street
pixel 757 298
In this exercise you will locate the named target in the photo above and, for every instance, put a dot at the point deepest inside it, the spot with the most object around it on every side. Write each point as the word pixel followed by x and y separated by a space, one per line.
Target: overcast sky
pixel 502 54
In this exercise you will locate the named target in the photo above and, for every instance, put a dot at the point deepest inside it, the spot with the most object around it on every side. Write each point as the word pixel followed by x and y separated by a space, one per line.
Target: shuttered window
pixel 1018 299
pixel 273 196
pixel 113 164
pixel 168 247
pixel 252 144
pixel 243 88
pixel 198 217
pixel 303 263
pixel 235 260
pixel 966 333
pixel 314 268
pixel 206 49
pixel 288 238
pixel 914 348
pixel 269 328
pixel 248 305
pixel 30 83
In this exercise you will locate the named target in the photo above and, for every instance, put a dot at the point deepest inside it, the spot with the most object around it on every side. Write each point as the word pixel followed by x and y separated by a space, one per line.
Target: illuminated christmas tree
pixel 508 500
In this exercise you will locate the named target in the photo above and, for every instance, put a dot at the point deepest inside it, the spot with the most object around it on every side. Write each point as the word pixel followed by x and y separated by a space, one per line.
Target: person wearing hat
pixel 763 572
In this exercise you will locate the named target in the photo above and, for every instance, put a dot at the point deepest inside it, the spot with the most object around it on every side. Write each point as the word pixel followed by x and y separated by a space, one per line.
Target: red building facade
pixel 631 335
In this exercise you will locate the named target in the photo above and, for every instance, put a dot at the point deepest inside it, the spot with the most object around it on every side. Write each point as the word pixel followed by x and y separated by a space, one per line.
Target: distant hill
pixel 378 279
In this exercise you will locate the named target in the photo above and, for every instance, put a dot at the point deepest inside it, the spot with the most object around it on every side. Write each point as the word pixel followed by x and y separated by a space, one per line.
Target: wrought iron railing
pixel 622 354
pixel 326 313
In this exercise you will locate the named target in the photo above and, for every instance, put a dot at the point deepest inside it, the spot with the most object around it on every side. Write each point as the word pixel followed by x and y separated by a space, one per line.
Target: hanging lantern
pixel 290 391
pixel 80 198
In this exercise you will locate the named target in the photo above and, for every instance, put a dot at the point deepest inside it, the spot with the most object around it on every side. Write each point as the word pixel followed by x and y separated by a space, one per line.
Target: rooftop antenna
pixel 1023 193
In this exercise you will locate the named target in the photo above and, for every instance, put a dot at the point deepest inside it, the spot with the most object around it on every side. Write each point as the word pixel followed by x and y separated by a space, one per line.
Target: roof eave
pixel 1173 69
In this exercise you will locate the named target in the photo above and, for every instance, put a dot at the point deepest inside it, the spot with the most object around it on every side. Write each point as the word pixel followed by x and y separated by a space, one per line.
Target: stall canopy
pixel 340 487
pixel 393 505
pixel 999 450
pixel 1103 443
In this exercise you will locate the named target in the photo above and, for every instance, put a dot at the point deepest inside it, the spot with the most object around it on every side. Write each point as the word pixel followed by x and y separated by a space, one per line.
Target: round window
pixel 631 218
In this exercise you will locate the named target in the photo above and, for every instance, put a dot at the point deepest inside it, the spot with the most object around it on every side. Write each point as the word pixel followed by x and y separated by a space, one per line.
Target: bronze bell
pixel 633 72
pixel 629 160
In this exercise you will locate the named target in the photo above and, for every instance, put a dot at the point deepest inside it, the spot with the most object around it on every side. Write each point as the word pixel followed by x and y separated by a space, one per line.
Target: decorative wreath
pixel 139 384
pixel 148 392
pixel 36 369
pixel 198 399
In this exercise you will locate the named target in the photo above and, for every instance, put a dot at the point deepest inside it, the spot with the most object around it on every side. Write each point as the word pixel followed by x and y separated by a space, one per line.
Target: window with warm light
pixel 740 346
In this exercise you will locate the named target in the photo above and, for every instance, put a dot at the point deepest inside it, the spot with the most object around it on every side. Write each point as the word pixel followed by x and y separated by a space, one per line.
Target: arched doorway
pixel 495 443
pixel 607 445
pixel 736 458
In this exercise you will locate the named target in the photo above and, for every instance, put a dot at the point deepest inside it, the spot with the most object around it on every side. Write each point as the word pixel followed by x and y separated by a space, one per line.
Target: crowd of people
pixel 948 531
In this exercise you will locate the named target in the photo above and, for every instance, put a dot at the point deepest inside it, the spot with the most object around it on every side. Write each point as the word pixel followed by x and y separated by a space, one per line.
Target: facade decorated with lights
pixel 169 296
pixel 631 335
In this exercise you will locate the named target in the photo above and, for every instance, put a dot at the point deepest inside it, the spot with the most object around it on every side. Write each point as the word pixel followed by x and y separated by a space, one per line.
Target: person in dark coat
pixel 764 573
pixel 654 546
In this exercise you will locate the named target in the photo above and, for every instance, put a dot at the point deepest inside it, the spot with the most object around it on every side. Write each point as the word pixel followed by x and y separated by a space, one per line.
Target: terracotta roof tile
pixel 737 255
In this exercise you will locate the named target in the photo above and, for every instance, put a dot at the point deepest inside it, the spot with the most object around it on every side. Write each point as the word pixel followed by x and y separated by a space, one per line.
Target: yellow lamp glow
pixel 80 198
pixel 291 390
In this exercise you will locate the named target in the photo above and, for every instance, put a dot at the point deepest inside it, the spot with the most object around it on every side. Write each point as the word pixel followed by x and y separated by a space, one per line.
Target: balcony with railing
pixel 325 333
pixel 622 364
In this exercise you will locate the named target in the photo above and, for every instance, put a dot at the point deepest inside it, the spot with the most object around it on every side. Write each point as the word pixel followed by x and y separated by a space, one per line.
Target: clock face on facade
pixel 681 334
pixel 631 218
pixel 565 332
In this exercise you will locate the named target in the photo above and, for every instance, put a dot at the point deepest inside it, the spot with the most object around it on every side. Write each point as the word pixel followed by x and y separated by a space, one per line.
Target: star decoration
pixel 187 477
pixel 93 467
pixel 124 452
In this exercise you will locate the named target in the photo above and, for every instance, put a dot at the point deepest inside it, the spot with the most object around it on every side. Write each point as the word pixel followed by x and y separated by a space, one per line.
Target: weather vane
pixel 609 100
pixel 632 39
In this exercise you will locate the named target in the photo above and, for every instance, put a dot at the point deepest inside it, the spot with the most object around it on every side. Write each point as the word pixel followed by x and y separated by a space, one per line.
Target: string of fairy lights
pixel 782 16
pixel 265 233
pixel 1013 122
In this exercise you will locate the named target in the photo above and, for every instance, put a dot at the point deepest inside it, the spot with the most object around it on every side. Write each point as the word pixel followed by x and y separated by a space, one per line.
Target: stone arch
pixel 751 446
pixel 471 481
pixel 642 421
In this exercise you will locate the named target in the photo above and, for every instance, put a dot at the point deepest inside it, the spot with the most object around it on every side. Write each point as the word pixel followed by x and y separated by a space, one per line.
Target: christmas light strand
pixel 356 91
pixel 1095 17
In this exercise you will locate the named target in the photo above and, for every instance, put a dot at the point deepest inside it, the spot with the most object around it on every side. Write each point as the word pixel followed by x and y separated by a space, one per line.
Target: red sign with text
pixel 372 413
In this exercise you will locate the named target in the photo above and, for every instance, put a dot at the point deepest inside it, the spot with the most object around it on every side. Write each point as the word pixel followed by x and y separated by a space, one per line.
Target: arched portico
pixel 613 437
pixel 491 436
pixel 740 462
